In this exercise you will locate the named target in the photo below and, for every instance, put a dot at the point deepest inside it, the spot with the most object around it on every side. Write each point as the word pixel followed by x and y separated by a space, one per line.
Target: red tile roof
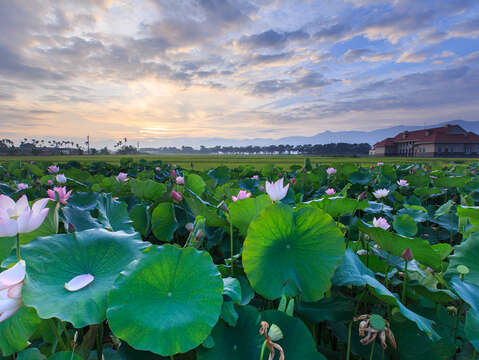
pixel 444 134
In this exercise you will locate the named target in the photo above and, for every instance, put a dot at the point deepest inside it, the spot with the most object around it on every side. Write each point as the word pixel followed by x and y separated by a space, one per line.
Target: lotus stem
pixel 231 247
pixel 262 350
pixel 350 326
pixel 54 328
pixel 404 284
pixel 458 318
pixel 372 351
pixel 474 354
pixel 67 334
pixel 18 247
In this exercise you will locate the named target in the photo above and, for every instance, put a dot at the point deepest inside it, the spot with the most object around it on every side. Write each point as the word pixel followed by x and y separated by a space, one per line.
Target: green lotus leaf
pixel 17 329
pixel 292 252
pixel 195 183
pixel 471 328
pixel 339 206
pixel 297 341
pixel 6 246
pixel 405 225
pixel 83 200
pixel 148 189
pixel 395 244
pixel 140 216
pixel 163 221
pixel 451 181
pixel 199 207
pixel 113 215
pixel 65 355
pixel 245 210
pixel 236 343
pixel 167 301
pixel 466 254
pixel 353 272
pixel 55 260
pixel 362 177
pixel 31 354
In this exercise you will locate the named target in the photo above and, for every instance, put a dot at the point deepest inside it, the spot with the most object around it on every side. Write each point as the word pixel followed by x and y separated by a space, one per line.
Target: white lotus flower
pixel 277 191
pixel 331 171
pixel 381 193
pixel 11 282
pixel 402 183
pixel 381 223
pixel 61 178
pixel 17 217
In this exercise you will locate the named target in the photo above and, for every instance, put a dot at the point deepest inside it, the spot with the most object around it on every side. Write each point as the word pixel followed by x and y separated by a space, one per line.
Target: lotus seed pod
pixel 462 269
pixel 275 333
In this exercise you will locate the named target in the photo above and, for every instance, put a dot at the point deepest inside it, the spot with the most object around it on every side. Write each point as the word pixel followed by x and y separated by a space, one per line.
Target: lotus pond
pixel 148 260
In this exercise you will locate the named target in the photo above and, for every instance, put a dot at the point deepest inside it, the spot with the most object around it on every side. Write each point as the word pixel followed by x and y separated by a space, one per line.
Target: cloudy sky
pixel 154 70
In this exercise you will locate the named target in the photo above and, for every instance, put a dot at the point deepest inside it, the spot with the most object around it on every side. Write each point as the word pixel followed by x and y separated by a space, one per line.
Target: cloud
pixel 310 81
pixel 271 39
pixel 13 66
pixel 355 54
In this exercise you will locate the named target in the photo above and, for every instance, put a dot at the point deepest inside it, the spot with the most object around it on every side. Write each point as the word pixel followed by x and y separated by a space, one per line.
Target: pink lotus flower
pixel 402 183
pixel 11 283
pixel 53 169
pixel 303 170
pixel 22 186
pixel 381 223
pixel 474 172
pixel 18 217
pixel 61 179
pixel 292 181
pixel 173 173
pixel 378 194
pixel 380 163
pixel 50 182
pixel 243 194
pixel 122 177
pixel 79 282
pixel 63 196
pixel 261 188
pixel 330 171
pixel 255 177
pixel 180 180
pixel 330 191
pixel 277 191
pixel 176 196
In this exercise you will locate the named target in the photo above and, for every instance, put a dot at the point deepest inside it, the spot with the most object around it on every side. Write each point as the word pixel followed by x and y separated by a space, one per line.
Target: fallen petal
pixel 79 282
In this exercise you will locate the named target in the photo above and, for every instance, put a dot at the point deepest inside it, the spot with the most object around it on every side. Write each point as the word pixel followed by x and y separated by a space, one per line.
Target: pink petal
pixel 6 202
pixel 8 227
pixel 13 276
pixel 20 206
pixel 40 205
pixel 15 292
pixel 79 282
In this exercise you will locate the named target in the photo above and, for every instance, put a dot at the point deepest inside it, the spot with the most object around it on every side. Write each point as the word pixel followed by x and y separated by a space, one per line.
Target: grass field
pixel 202 162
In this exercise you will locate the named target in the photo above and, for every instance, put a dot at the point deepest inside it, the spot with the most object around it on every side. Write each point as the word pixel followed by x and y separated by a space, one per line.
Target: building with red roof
pixel 445 141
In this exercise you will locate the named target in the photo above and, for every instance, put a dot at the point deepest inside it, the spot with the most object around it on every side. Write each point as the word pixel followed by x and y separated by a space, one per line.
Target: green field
pixel 203 162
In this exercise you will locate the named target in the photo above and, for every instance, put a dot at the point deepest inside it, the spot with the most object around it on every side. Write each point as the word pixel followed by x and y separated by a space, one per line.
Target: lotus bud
pixel 275 333
pixel 173 173
pixel 452 309
pixel 200 234
pixel 361 252
pixel 362 195
pixel 176 196
pixel 407 255
pixel 189 227
pixel 222 205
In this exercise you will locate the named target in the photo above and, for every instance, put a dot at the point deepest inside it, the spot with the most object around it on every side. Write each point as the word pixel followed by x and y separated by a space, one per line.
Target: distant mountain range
pixel 325 137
